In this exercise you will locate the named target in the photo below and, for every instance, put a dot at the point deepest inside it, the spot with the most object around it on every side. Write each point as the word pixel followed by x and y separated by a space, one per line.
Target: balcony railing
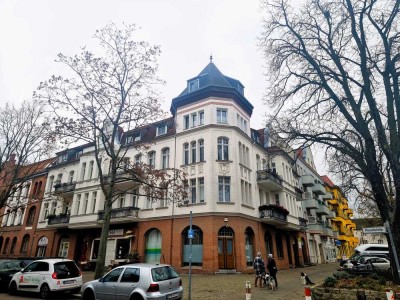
pixel 58 219
pixel 302 222
pixel 273 212
pixel 123 212
pixel 307 180
pixel 270 179
pixel 64 187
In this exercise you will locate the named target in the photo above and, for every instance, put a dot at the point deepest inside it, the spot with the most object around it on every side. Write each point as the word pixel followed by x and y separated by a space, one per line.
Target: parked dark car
pixel 367 268
pixel 8 268
pixel 355 259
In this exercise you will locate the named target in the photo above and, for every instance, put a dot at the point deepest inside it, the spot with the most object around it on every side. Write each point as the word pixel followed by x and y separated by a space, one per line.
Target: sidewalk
pixel 232 287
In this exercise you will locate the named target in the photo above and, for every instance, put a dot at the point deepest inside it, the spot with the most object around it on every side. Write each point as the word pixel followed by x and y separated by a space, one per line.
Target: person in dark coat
pixel 259 268
pixel 272 269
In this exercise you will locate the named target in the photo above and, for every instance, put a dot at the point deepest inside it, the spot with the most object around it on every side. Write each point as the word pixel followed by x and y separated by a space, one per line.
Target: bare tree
pixel 106 96
pixel 333 70
pixel 25 140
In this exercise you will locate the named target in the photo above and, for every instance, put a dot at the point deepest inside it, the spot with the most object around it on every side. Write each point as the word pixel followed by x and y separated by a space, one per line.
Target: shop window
pixel 197 246
pixel 153 246
pixel 25 244
pixel 63 247
pixel 279 245
pixel 122 249
pixel 249 246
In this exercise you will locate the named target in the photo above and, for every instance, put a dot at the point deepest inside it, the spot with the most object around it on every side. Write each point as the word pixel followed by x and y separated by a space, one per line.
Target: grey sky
pixel 188 31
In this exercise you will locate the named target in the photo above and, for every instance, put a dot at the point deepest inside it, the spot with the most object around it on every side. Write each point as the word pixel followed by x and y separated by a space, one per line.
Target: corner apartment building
pixel 246 193
pixel 342 224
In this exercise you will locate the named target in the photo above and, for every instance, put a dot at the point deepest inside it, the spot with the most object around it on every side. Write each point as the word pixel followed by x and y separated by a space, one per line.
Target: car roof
pixel 146 265
pixel 53 260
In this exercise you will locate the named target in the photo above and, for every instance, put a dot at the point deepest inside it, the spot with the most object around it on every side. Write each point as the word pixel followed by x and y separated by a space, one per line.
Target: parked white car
pixel 47 276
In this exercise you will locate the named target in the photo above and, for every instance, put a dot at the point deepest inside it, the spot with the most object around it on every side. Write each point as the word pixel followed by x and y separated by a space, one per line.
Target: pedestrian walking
pixel 259 268
pixel 272 269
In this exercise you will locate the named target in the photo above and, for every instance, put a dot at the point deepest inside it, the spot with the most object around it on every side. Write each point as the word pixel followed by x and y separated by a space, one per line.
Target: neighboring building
pixel 315 198
pixel 342 225
pixel 369 238
pixel 20 214
pixel 245 192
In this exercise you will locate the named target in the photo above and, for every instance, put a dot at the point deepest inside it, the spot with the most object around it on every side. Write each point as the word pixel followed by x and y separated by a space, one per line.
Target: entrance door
pixel 322 253
pixel 226 258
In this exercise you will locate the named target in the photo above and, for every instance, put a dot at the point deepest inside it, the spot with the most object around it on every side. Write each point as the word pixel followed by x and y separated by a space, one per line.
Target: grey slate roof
pixel 212 76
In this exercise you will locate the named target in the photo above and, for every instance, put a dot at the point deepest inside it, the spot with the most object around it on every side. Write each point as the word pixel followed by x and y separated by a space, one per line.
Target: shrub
pixel 342 275
pixel 330 281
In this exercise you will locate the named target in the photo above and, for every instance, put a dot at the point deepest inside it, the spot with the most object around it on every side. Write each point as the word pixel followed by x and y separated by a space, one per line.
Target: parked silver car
pixel 135 282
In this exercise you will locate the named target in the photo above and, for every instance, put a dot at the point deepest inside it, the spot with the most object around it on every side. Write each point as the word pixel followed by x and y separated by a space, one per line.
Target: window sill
pixel 193 164
pixel 224 161
pixel 226 203
pixel 161 207
pixel 247 206
pixel 194 204
pixel 146 209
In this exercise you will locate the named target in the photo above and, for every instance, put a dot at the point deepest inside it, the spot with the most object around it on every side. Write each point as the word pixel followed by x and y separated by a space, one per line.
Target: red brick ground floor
pixel 216 244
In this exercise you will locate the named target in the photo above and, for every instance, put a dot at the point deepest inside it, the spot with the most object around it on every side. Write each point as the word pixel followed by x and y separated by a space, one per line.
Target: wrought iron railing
pixel 123 212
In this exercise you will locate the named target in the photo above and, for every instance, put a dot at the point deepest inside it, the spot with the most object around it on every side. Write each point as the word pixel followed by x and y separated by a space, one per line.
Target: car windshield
pixel 163 273
pixel 11 265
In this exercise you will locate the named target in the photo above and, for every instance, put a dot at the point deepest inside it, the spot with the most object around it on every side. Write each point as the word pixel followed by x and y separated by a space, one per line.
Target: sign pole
pixel 190 233
pixel 396 260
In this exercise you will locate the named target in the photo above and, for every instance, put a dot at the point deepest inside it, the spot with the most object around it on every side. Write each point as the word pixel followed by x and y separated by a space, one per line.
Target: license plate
pixel 171 296
pixel 68 281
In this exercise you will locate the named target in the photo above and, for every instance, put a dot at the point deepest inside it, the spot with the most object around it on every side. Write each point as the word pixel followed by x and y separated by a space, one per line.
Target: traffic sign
pixel 191 233
pixel 370 230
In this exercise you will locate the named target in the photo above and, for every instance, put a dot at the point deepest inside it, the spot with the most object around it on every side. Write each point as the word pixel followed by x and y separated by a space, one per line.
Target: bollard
pixel 390 295
pixel 248 290
pixel 307 293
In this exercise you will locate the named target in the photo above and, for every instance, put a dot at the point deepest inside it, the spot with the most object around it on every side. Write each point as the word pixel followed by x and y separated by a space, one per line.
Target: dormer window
pixel 63 158
pixel 193 85
pixel 161 129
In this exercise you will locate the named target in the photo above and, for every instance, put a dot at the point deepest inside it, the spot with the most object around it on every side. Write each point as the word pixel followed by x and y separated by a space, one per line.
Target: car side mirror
pixel 101 279
pixel 22 270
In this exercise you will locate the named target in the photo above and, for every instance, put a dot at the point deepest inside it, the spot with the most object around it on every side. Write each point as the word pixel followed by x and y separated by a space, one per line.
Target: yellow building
pixel 343 227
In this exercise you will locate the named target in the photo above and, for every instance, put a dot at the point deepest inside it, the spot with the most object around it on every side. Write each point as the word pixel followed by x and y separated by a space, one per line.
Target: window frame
pixel 222 115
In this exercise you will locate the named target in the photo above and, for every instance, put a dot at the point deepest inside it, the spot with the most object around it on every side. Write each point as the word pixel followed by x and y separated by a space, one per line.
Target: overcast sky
pixel 32 33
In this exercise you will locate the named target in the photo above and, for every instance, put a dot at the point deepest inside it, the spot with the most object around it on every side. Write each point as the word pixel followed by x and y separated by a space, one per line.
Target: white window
pixel 194 120
pixel 50 184
pixel 201 150
pixel 194 149
pixel 201 189
pixel 186 154
pixel 94 200
pixel 83 171
pixel 152 159
pixel 223 148
pixel 121 201
pixel 222 115
pixel 165 158
pixel 186 122
pixel 71 176
pixel 193 85
pixel 86 201
pixel 137 137
pixel 224 189
pixel 193 190
pixel 201 118
pixel 138 159
pixel 161 129
pixel 78 203
pixel 91 165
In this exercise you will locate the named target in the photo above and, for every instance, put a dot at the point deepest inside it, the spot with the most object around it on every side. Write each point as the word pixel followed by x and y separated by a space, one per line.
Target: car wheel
pixel 44 291
pixel 12 290
pixel 88 295
pixel 136 297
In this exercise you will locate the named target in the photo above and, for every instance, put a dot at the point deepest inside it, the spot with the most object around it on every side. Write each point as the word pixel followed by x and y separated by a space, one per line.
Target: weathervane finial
pixel 211 58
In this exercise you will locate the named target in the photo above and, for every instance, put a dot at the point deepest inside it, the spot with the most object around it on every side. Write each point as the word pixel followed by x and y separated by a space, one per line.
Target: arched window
pixel 13 244
pixel 153 246
pixel 83 171
pixel 193 150
pixel 5 249
pixel 20 215
pixel 31 216
pixel 186 153
pixel 5 217
pixel 165 158
pixel 71 176
pixel 25 243
pixel 91 166
pixel 39 189
pixel 249 245
pixel 201 150
pixel 138 158
pixel 152 159
pixel 268 243
pixel 63 247
pixel 197 246
pixel 279 245
pixel 223 148
pixel 50 184
pixel 258 162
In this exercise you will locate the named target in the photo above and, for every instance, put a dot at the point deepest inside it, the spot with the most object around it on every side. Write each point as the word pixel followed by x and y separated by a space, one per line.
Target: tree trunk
pixel 396 241
pixel 101 259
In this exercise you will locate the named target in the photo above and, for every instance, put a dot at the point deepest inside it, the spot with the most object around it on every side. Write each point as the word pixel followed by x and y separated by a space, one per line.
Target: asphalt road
pixel 232 287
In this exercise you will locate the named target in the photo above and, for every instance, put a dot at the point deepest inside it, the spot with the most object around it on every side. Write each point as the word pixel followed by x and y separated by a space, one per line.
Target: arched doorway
pixel 289 249
pixel 269 247
pixel 153 246
pixel 226 255
pixel 296 251
pixel 249 246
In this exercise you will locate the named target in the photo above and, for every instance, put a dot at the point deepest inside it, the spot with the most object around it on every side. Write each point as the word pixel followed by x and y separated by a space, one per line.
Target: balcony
pixel 123 179
pixel 60 220
pixel 120 215
pixel 327 196
pixel 270 180
pixel 299 193
pixel 333 202
pixel 307 180
pixel 335 234
pixel 273 214
pixel 319 189
pixel 302 222
pixel 327 231
pixel 331 215
pixel 322 210
pixel 310 203
pixel 64 188
pixel 314 225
